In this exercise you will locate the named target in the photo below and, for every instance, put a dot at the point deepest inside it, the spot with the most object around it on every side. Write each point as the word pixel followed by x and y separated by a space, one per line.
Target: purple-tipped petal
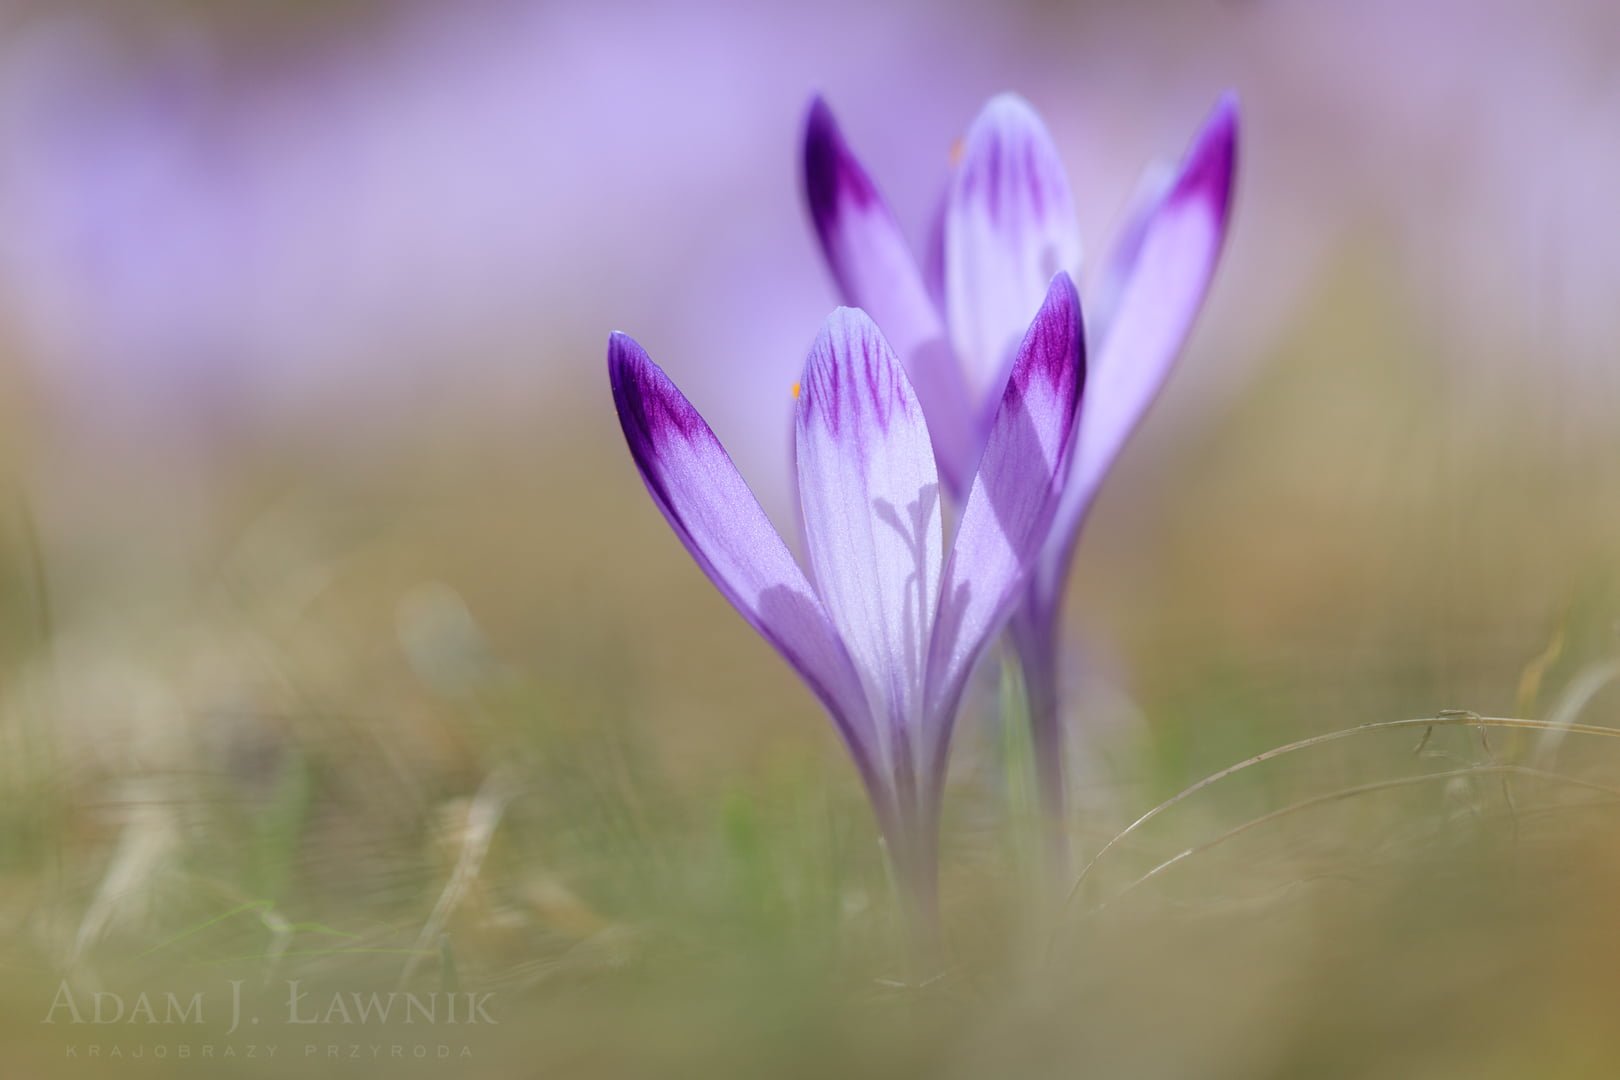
pixel 872 516
pixel 874 269
pixel 1009 227
pixel 1164 291
pixel 709 505
pixel 1010 509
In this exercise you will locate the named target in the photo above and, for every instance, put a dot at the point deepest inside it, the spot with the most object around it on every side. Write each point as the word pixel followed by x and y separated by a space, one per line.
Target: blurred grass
pixel 289 747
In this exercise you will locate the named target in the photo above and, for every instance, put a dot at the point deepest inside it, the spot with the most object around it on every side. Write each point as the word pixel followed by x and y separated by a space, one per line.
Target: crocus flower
pixel 891 626
pixel 1006 225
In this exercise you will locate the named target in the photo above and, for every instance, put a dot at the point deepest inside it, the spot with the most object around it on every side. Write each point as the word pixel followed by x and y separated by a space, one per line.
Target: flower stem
pixel 913 860
pixel 1034 637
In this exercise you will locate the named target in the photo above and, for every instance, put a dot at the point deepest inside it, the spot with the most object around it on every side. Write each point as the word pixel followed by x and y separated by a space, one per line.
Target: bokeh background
pixel 342 643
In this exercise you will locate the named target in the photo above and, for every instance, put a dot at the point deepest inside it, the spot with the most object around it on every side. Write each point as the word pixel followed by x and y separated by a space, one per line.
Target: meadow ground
pixel 463 720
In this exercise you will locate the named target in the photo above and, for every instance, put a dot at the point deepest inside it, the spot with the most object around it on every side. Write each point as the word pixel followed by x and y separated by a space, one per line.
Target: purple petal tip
pixel 1060 315
pixel 622 351
pixel 830 171
pixel 649 405
pixel 1212 159
pixel 1055 344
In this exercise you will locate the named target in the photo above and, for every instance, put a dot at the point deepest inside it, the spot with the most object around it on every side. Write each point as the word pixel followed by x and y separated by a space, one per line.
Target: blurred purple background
pixel 317 232
pixel 304 412
pixel 328 234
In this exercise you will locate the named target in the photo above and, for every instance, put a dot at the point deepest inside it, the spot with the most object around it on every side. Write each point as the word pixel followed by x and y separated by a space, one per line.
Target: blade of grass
pixel 1352 792
pixel 1446 719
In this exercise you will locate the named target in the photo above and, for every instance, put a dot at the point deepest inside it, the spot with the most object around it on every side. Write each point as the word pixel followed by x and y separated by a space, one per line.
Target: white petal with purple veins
pixel 871 507
pixel 1009 227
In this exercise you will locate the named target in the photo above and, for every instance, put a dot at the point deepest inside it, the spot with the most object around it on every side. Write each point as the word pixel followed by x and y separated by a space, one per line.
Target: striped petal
pixel 1161 294
pixel 870 496
pixel 1009 227
pixel 874 269
pixel 708 504
pixel 1010 508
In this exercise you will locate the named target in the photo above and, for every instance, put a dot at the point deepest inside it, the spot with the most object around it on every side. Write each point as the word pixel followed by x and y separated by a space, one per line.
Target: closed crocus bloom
pixel 895 618
pixel 1007 224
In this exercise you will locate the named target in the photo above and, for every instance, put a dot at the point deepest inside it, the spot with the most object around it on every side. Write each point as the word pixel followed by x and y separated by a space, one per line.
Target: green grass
pixel 681 876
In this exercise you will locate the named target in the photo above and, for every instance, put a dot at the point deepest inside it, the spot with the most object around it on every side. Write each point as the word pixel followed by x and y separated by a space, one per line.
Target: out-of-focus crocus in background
pixel 340 637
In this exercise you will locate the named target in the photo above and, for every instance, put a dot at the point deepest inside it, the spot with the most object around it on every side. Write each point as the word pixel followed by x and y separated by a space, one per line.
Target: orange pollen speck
pixel 958 148
pixel 795 391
